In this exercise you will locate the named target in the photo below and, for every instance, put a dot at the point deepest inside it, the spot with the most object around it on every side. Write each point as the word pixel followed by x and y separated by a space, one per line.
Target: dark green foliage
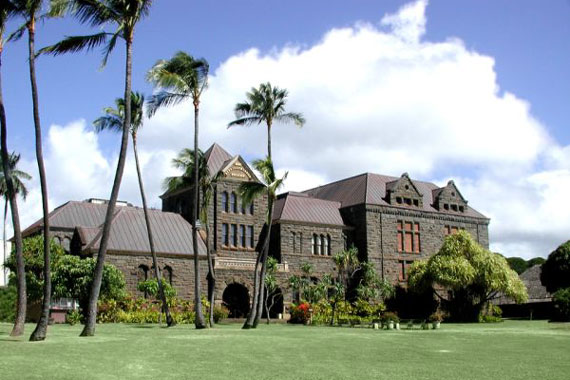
pixel 8 298
pixel 220 313
pixel 412 304
pixel 73 317
pixel 536 261
pixel 561 300
pixel 556 270
pixel 150 287
pixel 517 264
pixel 73 276
pixel 33 252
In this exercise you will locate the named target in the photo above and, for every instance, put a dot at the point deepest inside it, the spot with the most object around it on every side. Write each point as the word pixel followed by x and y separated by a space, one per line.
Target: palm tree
pixel 180 78
pixel 185 162
pixel 7 9
pixel 249 191
pixel 265 104
pixel 18 177
pixel 113 120
pixel 124 14
pixel 32 11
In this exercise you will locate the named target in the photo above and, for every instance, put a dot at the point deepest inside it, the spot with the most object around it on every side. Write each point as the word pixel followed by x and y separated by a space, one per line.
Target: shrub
pixel 73 317
pixel 561 300
pixel 8 298
pixel 300 313
pixel 491 314
pixel 220 313
pixel 390 317
pixel 436 316
pixel 555 273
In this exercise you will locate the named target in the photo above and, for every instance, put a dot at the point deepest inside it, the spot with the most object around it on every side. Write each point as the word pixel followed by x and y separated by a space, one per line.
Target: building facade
pixel 392 221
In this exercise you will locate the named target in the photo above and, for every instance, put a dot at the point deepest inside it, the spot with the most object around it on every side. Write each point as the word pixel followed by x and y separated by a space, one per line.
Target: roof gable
pixel 237 169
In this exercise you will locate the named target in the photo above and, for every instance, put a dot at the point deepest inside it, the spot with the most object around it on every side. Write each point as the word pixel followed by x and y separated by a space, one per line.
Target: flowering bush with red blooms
pixel 300 313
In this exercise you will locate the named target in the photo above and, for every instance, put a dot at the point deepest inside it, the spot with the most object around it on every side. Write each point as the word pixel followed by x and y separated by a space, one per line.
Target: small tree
pixel 472 275
pixel 271 287
pixel 555 273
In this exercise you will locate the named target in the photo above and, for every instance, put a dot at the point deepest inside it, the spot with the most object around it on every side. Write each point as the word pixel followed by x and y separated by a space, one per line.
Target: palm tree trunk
pixel 199 321
pixel 211 275
pixel 169 320
pixel 4 236
pixel 89 329
pixel 41 328
pixel 253 311
pixel 264 263
pixel 18 328
pixel 269 141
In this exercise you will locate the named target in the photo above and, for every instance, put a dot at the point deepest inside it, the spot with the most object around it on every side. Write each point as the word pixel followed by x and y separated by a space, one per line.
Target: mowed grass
pixel 509 350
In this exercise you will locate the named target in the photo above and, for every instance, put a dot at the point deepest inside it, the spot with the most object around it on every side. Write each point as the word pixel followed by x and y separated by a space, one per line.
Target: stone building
pixel 392 221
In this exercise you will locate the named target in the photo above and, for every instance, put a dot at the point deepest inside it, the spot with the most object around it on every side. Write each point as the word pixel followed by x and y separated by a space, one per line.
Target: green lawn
pixel 509 350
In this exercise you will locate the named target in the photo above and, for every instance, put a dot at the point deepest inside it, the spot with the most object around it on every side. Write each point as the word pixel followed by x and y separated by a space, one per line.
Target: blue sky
pixel 521 48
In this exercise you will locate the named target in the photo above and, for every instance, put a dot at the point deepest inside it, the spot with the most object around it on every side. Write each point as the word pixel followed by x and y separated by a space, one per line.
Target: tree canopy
pixel 472 275
pixel 556 270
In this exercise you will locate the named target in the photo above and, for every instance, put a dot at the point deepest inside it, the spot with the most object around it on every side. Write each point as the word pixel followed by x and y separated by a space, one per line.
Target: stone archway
pixel 236 299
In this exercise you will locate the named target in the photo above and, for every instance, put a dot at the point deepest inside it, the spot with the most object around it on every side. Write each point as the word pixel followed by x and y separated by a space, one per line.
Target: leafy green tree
pixel 371 287
pixel 249 191
pixel 536 261
pixel 265 104
pixel 34 264
pixel 348 266
pixel 472 275
pixel 517 264
pixel 124 15
pixel 185 162
pixel 179 79
pixel 113 120
pixel 151 287
pixel 271 286
pixel 555 273
pixel 73 278
pixel 32 12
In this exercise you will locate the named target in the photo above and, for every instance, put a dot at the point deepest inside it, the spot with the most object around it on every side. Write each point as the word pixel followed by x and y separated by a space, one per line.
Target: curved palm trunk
pixel 169 320
pixel 264 264
pixel 199 321
pixel 18 328
pixel 4 236
pixel 41 328
pixel 89 329
pixel 211 276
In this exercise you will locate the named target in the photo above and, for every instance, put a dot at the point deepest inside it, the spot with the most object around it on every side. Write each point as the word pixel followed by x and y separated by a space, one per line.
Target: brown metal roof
pixel 172 233
pixel 216 157
pixel 369 188
pixel 298 207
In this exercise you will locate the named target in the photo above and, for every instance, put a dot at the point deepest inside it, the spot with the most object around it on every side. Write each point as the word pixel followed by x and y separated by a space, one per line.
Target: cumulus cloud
pixel 377 98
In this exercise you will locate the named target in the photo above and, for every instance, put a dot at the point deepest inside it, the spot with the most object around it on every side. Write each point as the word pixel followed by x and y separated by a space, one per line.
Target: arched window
pixel 57 240
pixel 319 246
pixel 233 203
pixel 167 274
pixel 225 201
pixel 313 244
pixel 142 275
pixel 328 244
pixel 66 244
pixel 323 245
pixel 294 242
pixel 251 209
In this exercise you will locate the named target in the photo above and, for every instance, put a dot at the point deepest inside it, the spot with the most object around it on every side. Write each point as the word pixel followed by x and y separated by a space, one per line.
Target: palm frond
pixel 265 168
pixel 163 99
pixel 289 117
pixel 251 190
pixel 17 34
pixel 75 44
pixel 95 13
pixel 245 121
pixel 110 47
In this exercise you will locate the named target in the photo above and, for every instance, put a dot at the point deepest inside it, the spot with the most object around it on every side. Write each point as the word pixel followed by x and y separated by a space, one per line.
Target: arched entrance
pixel 274 303
pixel 236 299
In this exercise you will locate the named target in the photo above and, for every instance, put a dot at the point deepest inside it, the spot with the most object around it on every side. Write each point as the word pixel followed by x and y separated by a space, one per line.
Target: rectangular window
pixel 294 242
pixel 408 235
pixel 225 240
pixel 233 235
pixel 300 243
pixel 450 230
pixel 404 266
pixel 250 236
pixel 242 239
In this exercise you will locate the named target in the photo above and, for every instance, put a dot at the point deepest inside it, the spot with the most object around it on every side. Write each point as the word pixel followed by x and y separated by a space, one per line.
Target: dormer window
pixel 453 207
pixel 399 200
pixel 446 206
pixel 461 209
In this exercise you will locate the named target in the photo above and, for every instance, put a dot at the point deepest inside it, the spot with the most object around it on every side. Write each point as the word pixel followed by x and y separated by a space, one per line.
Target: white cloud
pixel 378 99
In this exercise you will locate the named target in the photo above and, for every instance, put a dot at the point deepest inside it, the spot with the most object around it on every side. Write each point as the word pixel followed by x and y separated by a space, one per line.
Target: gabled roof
pixel 369 188
pixel 216 157
pixel 172 233
pixel 298 207
pixel 536 291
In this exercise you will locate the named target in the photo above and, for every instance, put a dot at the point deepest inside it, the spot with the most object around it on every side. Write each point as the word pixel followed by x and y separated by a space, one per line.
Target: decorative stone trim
pixel 243 264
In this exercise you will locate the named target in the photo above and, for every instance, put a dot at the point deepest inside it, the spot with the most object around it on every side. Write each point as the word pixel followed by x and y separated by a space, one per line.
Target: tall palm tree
pixel 7 9
pixel 180 78
pixel 265 104
pixel 249 191
pixel 18 177
pixel 124 15
pixel 185 162
pixel 113 120
pixel 34 11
